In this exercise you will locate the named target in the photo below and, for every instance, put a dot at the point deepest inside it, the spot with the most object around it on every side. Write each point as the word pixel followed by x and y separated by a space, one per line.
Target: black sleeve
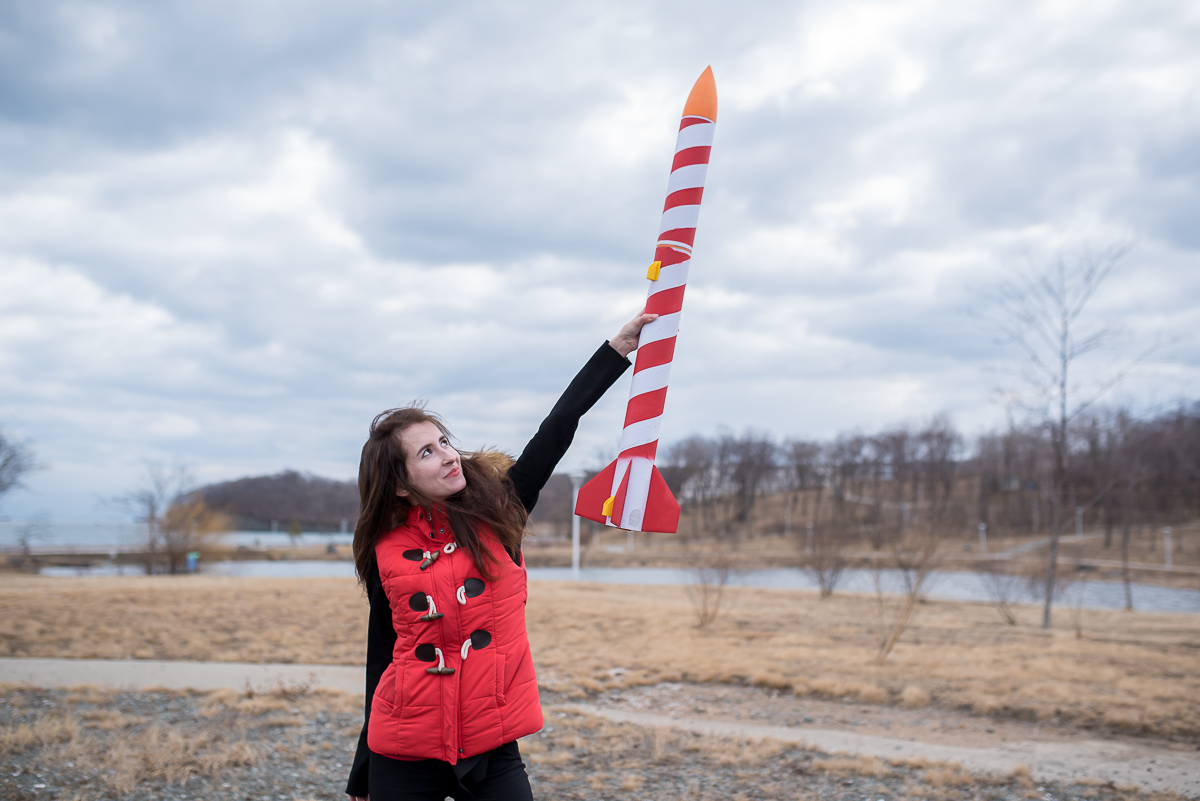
pixel 381 641
pixel 531 472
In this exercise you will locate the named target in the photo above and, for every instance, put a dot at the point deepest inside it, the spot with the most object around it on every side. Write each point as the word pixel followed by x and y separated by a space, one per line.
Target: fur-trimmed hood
pixel 497 462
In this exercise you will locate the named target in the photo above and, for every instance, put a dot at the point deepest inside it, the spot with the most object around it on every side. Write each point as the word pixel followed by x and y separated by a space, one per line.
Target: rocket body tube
pixel 630 493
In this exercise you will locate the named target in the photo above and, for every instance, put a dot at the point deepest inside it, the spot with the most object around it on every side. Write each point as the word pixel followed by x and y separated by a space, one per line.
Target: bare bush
pixel 915 562
pixel 827 560
pixel 1003 587
pixel 708 569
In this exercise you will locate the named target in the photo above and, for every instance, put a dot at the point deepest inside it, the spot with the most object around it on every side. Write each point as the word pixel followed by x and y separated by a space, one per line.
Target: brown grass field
pixel 1128 672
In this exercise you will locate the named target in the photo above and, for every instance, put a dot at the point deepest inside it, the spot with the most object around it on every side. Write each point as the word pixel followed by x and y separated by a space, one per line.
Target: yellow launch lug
pixel 608 505
pixel 652 272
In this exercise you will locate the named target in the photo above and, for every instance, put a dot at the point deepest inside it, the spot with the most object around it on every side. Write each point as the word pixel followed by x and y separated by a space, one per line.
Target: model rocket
pixel 630 493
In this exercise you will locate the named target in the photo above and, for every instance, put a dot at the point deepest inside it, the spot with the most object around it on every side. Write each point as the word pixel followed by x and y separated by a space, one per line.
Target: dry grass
pixel 1137 677
pixel 152 753
pixel 852 766
pixel 1135 674
pixel 118 744
pixel 192 617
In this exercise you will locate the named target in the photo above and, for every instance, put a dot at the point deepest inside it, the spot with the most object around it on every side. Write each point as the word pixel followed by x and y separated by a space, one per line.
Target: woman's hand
pixel 359 798
pixel 626 340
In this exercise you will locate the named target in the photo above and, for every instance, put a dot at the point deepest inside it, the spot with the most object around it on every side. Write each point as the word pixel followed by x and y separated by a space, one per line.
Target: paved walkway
pixel 137 674
pixel 1127 762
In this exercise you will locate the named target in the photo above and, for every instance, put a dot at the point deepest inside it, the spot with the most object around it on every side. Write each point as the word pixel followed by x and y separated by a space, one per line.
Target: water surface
pixel 951 585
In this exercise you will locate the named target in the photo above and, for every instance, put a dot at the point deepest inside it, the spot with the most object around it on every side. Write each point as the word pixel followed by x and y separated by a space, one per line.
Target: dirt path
pixel 979 745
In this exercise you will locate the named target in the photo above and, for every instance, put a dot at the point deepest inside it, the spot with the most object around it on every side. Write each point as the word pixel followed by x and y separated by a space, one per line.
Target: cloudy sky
pixel 230 233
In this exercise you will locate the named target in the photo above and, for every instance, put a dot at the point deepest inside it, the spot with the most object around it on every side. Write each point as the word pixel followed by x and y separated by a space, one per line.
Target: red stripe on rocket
pixel 630 493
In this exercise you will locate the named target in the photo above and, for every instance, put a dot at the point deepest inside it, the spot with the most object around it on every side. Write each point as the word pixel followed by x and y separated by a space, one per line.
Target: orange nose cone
pixel 702 102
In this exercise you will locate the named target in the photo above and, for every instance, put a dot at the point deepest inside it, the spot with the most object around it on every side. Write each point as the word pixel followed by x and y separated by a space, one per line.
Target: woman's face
pixel 434 467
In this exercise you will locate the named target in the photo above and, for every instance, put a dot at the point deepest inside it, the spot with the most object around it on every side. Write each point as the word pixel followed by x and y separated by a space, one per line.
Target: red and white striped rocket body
pixel 630 493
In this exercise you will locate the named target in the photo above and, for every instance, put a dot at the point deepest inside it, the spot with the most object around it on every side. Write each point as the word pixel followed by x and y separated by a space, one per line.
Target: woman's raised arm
pixel 537 462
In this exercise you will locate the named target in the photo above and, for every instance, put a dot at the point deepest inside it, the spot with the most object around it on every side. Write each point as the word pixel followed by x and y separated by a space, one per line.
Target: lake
pixel 950 585
pixel 43 535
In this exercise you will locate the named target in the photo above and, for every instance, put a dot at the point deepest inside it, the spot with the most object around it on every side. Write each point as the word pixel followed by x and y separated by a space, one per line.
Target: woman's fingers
pixel 626 340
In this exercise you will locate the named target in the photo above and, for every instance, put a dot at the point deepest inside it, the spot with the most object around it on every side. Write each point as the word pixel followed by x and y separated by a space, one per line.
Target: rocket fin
pixel 662 510
pixel 594 494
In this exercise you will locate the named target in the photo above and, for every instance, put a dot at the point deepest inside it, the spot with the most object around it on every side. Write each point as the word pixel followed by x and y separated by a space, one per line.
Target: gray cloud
pixel 234 232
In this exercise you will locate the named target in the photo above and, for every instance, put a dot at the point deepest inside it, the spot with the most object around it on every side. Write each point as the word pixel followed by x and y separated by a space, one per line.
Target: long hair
pixel 488 497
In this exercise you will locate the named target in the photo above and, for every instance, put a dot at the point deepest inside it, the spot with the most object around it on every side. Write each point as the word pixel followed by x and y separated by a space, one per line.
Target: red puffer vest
pixel 461 680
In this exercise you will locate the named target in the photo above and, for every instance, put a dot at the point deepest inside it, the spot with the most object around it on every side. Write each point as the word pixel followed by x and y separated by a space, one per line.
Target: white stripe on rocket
pixel 699 135
pixel 670 276
pixel 664 327
pixel 679 217
pixel 642 432
pixel 688 177
pixel 650 379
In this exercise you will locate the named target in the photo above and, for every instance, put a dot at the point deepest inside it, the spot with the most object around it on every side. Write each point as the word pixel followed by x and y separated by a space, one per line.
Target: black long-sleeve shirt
pixel 528 475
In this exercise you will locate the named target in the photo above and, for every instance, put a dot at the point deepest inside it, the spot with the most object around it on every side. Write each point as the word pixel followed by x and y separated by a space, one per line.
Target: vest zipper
pixel 451 675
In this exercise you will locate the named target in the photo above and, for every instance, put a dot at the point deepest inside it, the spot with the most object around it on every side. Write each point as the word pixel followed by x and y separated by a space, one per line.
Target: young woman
pixel 450 681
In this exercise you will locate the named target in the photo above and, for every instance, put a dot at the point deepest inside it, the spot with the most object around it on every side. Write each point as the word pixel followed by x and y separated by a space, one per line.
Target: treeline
pixel 287 498
pixel 1122 472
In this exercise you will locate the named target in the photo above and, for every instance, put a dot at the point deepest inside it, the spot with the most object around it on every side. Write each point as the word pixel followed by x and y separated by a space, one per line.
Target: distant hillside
pixel 320 504
pixel 317 504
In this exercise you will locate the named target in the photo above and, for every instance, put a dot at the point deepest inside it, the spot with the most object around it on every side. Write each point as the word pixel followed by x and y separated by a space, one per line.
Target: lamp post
pixel 576 482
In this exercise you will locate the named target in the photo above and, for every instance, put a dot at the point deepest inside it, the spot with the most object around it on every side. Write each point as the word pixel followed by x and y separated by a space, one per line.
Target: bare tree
pixel 916 560
pixel 696 470
pixel 751 461
pixel 845 460
pixel 177 520
pixel 690 473
pixel 916 555
pixel 896 456
pixel 802 478
pixel 826 562
pixel 1100 432
pixel 160 484
pixel 16 460
pixel 188 525
pixel 1041 312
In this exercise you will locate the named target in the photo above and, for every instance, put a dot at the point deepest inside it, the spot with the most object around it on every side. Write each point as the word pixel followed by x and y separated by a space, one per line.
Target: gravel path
pixel 979 745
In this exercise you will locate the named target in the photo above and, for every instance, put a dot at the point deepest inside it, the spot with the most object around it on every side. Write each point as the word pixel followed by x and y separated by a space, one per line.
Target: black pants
pixel 499 776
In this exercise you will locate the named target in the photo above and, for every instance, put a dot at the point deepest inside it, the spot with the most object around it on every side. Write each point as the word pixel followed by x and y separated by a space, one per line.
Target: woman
pixel 450 681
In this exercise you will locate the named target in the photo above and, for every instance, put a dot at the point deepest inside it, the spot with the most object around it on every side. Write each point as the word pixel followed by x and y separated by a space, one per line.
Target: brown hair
pixel 488 497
